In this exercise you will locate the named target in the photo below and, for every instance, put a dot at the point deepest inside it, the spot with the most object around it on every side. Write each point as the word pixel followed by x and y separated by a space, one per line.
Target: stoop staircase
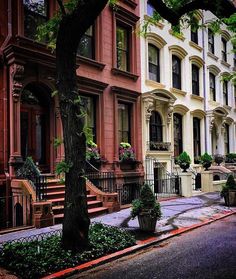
pixel 55 192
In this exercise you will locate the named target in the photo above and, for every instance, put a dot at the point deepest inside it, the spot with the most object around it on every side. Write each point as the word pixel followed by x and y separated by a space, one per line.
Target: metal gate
pixel 163 183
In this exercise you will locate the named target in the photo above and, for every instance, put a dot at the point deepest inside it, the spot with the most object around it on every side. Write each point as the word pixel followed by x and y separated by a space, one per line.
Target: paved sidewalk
pixel 176 213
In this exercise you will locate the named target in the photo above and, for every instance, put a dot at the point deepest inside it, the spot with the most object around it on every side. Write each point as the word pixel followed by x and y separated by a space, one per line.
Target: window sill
pixel 224 63
pixel 212 56
pixel 158 24
pixel 227 107
pixel 178 91
pixel 196 97
pixel 155 84
pixel 194 45
pixel 129 75
pixel 178 36
pixel 130 3
pixel 213 103
pixel 90 62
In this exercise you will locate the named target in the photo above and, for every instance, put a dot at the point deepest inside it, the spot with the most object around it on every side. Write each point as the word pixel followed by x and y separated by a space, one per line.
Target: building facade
pixel 186 106
pixel 108 78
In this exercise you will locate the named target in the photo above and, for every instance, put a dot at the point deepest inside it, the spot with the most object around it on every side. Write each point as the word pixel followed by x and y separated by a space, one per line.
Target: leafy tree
pixel 64 32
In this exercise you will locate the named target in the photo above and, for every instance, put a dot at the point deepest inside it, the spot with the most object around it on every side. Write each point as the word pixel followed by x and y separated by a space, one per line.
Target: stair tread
pixel 92 210
pixel 88 202
pixel 55 186
pixel 55 193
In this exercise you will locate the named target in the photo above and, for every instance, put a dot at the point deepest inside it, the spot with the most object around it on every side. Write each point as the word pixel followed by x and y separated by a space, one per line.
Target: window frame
pixel 225 92
pixel 195 83
pixel 178 140
pixel 155 127
pixel 122 131
pixel 226 139
pixel 211 41
pixel 176 77
pixel 196 137
pixel 128 46
pixel 223 49
pixel 157 79
pixel 93 39
pixel 194 35
pixel 212 89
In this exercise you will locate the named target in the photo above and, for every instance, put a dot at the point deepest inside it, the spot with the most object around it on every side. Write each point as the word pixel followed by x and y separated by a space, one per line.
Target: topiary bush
pixel 229 185
pixel 147 202
pixel 183 158
pixel 35 259
pixel 206 158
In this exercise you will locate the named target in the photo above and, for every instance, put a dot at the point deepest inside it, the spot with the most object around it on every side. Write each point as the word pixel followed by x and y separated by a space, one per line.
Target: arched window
pixel 155 127
pixel 196 137
pixel 153 63
pixel 178 134
pixel 176 72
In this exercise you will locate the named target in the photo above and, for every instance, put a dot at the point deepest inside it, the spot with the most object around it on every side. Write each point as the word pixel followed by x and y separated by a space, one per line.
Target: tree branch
pixel 221 8
pixel 63 11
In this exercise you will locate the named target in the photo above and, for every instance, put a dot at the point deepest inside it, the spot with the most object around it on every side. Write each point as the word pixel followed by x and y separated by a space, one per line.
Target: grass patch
pixel 35 259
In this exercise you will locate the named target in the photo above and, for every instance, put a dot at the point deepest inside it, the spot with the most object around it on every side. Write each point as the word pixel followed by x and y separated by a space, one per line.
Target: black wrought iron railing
pixel 105 181
pixel 40 183
pixel 158 146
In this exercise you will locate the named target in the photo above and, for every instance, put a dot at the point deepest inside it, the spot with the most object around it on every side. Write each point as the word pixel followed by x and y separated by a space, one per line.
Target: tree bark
pixel 72 27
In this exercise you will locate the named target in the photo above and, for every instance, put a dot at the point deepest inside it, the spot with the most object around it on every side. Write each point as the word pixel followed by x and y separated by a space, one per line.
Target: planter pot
pixel 206 165
pixel 127 165
pixel 146 222
pixel 184 166
pixel 218 159
pixel 230 198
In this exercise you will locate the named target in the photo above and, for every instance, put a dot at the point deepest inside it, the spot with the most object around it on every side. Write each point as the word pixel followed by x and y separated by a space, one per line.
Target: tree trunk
pixel 72 27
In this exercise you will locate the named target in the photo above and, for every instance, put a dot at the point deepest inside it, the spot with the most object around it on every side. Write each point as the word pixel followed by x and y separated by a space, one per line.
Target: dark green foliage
pixel 206 158
pixel 28 170
pixel 183 158
pixel 229 185
pixel 147 202
pixel 231 158
pixel 37 258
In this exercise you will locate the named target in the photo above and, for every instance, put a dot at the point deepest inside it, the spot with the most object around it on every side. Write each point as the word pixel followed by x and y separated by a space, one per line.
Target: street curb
pixel 140 245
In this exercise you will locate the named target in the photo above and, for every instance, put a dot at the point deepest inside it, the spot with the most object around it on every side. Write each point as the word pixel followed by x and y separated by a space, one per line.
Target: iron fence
pixel 40 183
pixel 15 211
pixel 105 181
pixel 128 192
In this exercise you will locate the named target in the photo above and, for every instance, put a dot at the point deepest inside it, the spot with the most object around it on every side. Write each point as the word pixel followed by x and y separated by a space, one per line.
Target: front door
pixel 35 134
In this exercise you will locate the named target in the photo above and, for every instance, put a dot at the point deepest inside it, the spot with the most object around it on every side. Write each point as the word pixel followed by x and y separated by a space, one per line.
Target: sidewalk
pixel 176 214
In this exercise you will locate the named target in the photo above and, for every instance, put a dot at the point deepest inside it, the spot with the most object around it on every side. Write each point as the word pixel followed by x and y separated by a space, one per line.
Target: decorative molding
pixel 178 36
pixel 130 3
pixel 90 62
pixel 129 75
pixel 197 60
pixel 156 40
pixel 170 110
pixel 17 75
pixel 178 91
pixel 125 16
pixel 214 69
pixel 212 56
pixel 155 84
pixel 148 108
pixel 224 63
pixel 197 97
pixel 194 45
pixel 177 50
pixel 212 122
pixel 158 24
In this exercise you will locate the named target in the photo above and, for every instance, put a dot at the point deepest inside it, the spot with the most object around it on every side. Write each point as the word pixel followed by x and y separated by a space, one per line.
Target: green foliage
pixel 63 167
pixel 147 203
pixel 38 258
pixel 126 152
pixel 231 158
pixel 28 170
pixel 183 158
pixel 229 185
pixel 206 158
pixel 57 142
pixel 92 151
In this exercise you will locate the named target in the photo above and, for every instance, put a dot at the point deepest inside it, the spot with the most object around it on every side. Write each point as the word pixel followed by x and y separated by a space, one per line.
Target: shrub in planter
pixel 184 161
pixel 230 158
pixel 218 158
pixel 229 191
pixel 126 152
pixel 92 152
pixel 147 209
pixel 206 160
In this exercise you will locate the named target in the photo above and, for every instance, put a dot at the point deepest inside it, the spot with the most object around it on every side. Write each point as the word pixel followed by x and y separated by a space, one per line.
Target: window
pixel 90 118
pixel 35 14
pixel 212 87
pixel 225 92
pixel 176 72
pixel 196 137
pixel 155 127
pixel 153 63
pixel 150 9
pixel 195 80
pixel 211 47
pixel 226 139
pixel 234 51
pixel 235 96
pixel 86 46
pixel 224 50
pixel 122 49
pixel 178 139
pixel 194 35
pixel 124 122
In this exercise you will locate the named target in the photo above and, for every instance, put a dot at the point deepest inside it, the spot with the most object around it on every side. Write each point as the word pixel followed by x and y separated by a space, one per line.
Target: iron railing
pixel 158 146
pixel 40 183
pixel 105 181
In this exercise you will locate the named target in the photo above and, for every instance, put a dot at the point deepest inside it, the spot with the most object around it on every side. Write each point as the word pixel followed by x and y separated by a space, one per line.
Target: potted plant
pixel 92 153
pixel 230 158
pixel 229 191
pixel 218 158
pixel 184 161
pixel 206 160
pixel 147 209
pixel 126 156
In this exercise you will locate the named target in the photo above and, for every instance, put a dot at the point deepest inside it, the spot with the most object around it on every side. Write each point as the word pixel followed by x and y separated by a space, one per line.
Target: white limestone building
pixel 185 104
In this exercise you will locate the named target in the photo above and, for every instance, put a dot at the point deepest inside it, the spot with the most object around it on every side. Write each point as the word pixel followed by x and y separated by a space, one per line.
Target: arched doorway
pixel 35 125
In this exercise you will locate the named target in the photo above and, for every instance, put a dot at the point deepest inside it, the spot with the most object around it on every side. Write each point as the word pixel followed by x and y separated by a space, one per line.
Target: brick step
pixel 91 204
pixel 93 212
pixel 55 194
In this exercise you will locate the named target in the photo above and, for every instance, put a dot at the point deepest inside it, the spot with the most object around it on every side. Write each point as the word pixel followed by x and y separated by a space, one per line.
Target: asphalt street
pixel 208 252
